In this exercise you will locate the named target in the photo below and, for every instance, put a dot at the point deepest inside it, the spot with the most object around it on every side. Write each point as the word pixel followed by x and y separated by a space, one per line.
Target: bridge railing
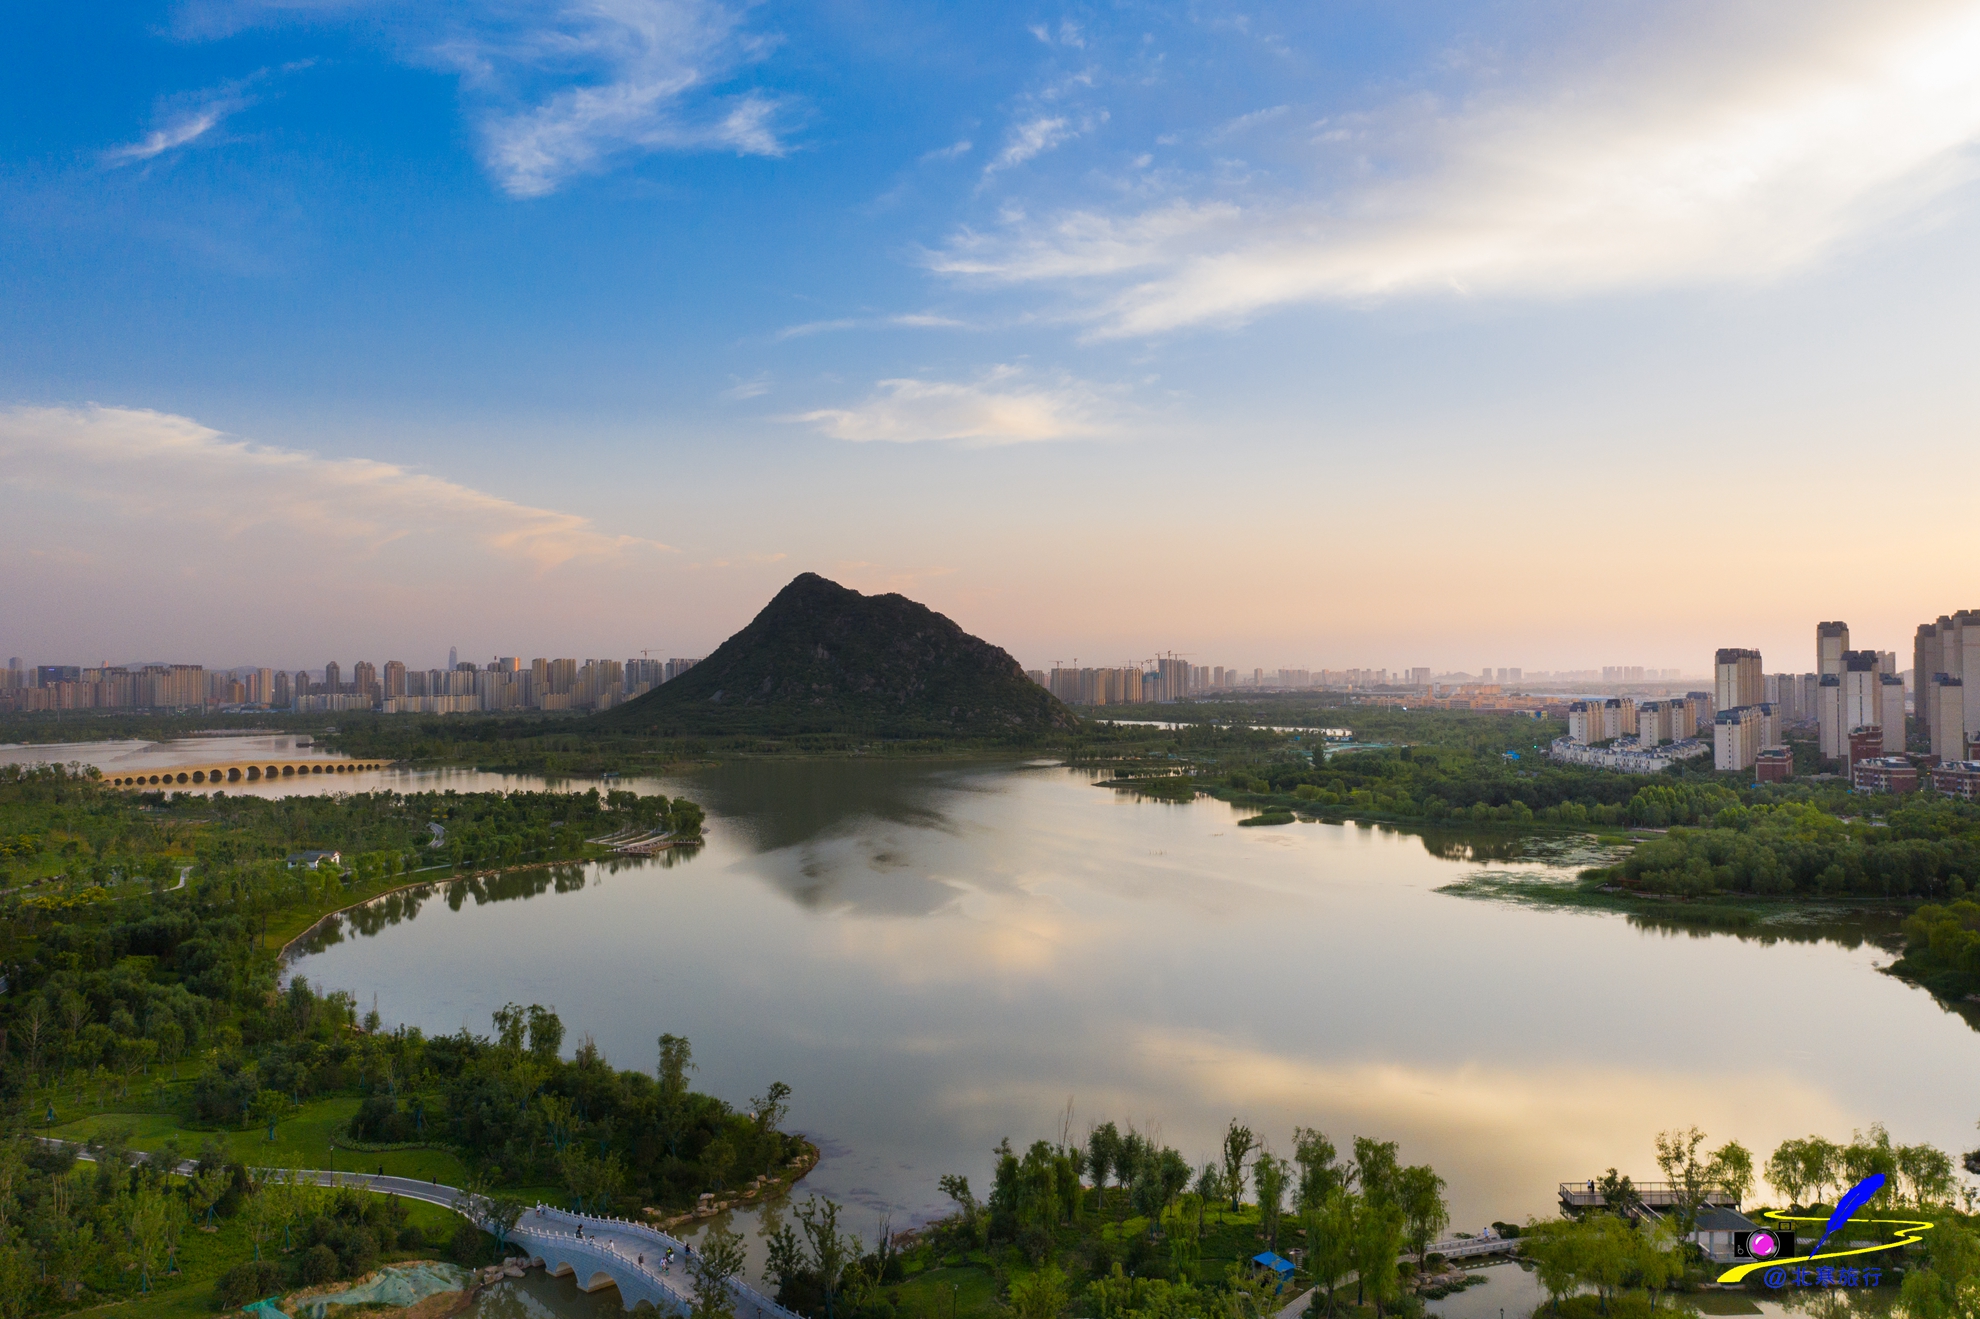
pixel 1464 1247
pixel 590 1248
pixel 1653 1194
pixel 742 1291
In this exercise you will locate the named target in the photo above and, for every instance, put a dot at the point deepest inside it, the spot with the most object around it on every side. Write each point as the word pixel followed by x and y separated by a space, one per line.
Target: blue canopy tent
pixel 1282 1267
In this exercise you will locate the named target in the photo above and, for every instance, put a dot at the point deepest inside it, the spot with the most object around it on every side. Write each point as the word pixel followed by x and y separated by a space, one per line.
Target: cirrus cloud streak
pixel 151 475
pixel 1674 170
pixel 1002 407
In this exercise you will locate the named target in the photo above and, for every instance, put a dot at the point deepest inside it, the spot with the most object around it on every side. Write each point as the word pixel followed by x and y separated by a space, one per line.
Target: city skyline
pixel 339 326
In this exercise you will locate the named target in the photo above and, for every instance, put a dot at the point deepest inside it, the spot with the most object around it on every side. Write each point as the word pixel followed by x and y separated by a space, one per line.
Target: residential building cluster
pixel 1945 667
pixel 502 684
pixel 1856 702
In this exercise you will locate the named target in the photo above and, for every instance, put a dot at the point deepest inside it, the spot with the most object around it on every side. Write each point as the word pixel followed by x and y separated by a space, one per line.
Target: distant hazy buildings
pixel 503 684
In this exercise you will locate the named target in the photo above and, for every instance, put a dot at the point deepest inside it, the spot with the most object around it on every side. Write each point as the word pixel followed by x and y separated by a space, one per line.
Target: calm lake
pixel 936 957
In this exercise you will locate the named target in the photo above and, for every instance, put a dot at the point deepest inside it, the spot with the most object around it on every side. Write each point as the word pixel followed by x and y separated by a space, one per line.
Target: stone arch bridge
pixel 230 771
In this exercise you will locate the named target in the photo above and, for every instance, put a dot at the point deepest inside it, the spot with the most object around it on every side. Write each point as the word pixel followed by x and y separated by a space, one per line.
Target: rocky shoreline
pixel 764 1187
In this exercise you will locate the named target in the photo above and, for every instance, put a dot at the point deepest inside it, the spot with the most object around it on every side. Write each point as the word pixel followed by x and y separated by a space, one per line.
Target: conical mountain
pixel 821 658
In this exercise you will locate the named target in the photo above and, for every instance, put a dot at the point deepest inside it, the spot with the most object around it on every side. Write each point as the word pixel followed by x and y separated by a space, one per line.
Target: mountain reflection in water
pixel 936 956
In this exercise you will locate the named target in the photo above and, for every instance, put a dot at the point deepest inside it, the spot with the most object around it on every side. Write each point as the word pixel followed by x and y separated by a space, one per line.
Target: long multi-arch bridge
pixel 231 771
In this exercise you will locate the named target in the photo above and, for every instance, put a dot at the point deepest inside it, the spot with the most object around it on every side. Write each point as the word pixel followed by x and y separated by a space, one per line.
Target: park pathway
pixel 595 1252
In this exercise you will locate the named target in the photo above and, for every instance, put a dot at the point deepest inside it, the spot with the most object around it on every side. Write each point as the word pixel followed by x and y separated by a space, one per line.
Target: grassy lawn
pixel 301 1141
pixel 968 1292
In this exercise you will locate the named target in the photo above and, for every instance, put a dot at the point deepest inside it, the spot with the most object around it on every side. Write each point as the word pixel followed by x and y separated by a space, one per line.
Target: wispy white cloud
pixel 183 120
pixel 809 328
pixel 167 480
pixel 1002 407
pixel 1715 160
pixel 905 320
pixel 606 78
pixel 953 151
pixel 565 88
pixel 1033 137
pixel 1255 119
pixel 186 128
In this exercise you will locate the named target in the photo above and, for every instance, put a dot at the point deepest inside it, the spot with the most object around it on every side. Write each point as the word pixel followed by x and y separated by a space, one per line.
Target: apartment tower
pixel 1739 680
pixel 1831 644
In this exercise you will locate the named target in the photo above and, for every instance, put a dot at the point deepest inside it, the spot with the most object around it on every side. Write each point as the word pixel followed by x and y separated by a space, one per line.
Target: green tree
pixel 1420 1196
pixel 676 1061
pixel 17 1280
pixel 720 1259
pixel 1376 1169
pixel 1209 1188
pixel 1041 1294
pixel 686 818
pixel 1608 1254
pixel 1319 1171
pixel 1269 1176
pixel 153 1223
pixel 1731 1170
pixel 1239 1142
pixel 503 1213
pixel 967 1210
pixel 546 1032
pixel 269 1108
pixel 1689 1178
pixel 1619 1194
pixel 1660 1260
pixel 1787 1170
pixel 1103 1148
pixel 262 1211
pixel 511 1026
pixel 1554 1247
pixel 830 1250
pixel 1927 1174
pixel 1330 1240
pixel 1378 1242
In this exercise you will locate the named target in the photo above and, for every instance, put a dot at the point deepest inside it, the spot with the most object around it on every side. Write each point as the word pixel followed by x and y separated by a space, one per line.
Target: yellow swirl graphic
pixel 1911 1230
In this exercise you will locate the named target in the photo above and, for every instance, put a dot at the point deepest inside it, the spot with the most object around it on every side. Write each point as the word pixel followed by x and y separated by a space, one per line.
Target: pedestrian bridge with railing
pixel 595 1252
pixel 617 1252
pixel 1469 1247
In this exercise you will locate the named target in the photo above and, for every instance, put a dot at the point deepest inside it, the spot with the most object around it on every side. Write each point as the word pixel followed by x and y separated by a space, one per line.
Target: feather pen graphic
pixel 1848 1205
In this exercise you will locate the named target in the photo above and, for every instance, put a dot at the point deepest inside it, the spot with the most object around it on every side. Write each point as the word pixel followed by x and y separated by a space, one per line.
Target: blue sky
pixel 1453 334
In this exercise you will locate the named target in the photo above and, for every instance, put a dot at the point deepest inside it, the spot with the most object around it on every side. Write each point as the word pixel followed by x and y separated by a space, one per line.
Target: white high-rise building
pixel 1832 734
pixel 1738 680
pixel 1948 718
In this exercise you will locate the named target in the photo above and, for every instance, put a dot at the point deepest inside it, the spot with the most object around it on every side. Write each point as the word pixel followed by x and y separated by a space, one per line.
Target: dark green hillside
pixel 823 659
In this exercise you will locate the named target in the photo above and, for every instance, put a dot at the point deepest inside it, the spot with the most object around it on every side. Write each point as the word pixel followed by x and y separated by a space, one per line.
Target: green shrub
pixel 470 1244
pixel 249 1282
pixel 319 1265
